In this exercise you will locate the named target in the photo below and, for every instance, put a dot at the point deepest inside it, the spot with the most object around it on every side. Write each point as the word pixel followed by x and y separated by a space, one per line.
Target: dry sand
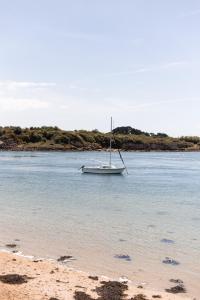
pixel 50 279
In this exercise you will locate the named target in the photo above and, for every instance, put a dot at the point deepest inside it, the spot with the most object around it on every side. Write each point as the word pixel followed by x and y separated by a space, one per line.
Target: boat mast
pixel 110 142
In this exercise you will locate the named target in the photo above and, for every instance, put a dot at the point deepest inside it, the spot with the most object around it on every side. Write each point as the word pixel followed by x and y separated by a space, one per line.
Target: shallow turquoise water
pixel 55 210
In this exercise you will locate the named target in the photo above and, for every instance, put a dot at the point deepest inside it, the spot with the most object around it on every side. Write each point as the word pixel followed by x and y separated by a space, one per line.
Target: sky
pixel 73 64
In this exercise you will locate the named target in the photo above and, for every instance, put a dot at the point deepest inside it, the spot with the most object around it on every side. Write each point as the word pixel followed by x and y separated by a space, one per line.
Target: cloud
pixel 83 89
pixel 13 104
pixel 155 68
pixel 24 95
pixel 143 106
pixel 78 87
pixel 117 104
pixel 10 84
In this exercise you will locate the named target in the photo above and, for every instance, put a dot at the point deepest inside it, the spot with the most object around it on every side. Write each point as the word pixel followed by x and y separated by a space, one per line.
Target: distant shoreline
pixel 123 138
pixel 95 150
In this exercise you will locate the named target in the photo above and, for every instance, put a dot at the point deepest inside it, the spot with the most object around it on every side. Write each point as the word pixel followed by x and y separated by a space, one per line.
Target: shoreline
pixel 48 279
pixel 97 150
pixel 126 138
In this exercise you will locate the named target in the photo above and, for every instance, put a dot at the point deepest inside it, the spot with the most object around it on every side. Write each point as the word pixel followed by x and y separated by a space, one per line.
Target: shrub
pixel 17 130
pixel 191 139
pixel 62 139
pixel 35 138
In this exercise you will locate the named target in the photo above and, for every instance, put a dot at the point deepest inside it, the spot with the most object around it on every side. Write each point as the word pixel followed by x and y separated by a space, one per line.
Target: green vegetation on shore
pixel 125 138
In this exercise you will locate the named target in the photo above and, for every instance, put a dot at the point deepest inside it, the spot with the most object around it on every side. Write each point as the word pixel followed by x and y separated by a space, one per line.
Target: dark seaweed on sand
pixel 82 296
pixel 37 260
pixel 178 281
pixel 111 290
pixel 93 277
pixel 139 297
pixel 176 289
pixel 179 288
pixel 14 279
pixel 64 257
pixel 11 245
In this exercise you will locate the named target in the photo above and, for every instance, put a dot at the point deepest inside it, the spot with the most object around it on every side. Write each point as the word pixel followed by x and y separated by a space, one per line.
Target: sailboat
pixel 106 168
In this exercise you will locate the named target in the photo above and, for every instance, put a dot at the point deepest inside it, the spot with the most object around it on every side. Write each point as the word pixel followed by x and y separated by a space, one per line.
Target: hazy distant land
pixel 124 138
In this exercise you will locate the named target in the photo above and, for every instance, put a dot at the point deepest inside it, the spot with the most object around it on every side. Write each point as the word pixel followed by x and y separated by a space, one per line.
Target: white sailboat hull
pixel 101 170
pixel 105 168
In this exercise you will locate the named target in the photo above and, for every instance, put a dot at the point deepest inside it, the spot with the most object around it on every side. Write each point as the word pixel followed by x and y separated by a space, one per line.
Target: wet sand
pixel 50 280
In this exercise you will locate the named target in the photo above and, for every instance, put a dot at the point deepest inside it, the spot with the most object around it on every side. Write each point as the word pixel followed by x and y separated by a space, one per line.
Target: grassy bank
pixel 125 138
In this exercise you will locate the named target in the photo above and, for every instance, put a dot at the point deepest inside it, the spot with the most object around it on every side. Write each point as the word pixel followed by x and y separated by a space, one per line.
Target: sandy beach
pixel 50 280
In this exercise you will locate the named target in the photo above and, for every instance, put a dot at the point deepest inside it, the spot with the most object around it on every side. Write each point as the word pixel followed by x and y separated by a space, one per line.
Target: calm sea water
pixel 54 210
